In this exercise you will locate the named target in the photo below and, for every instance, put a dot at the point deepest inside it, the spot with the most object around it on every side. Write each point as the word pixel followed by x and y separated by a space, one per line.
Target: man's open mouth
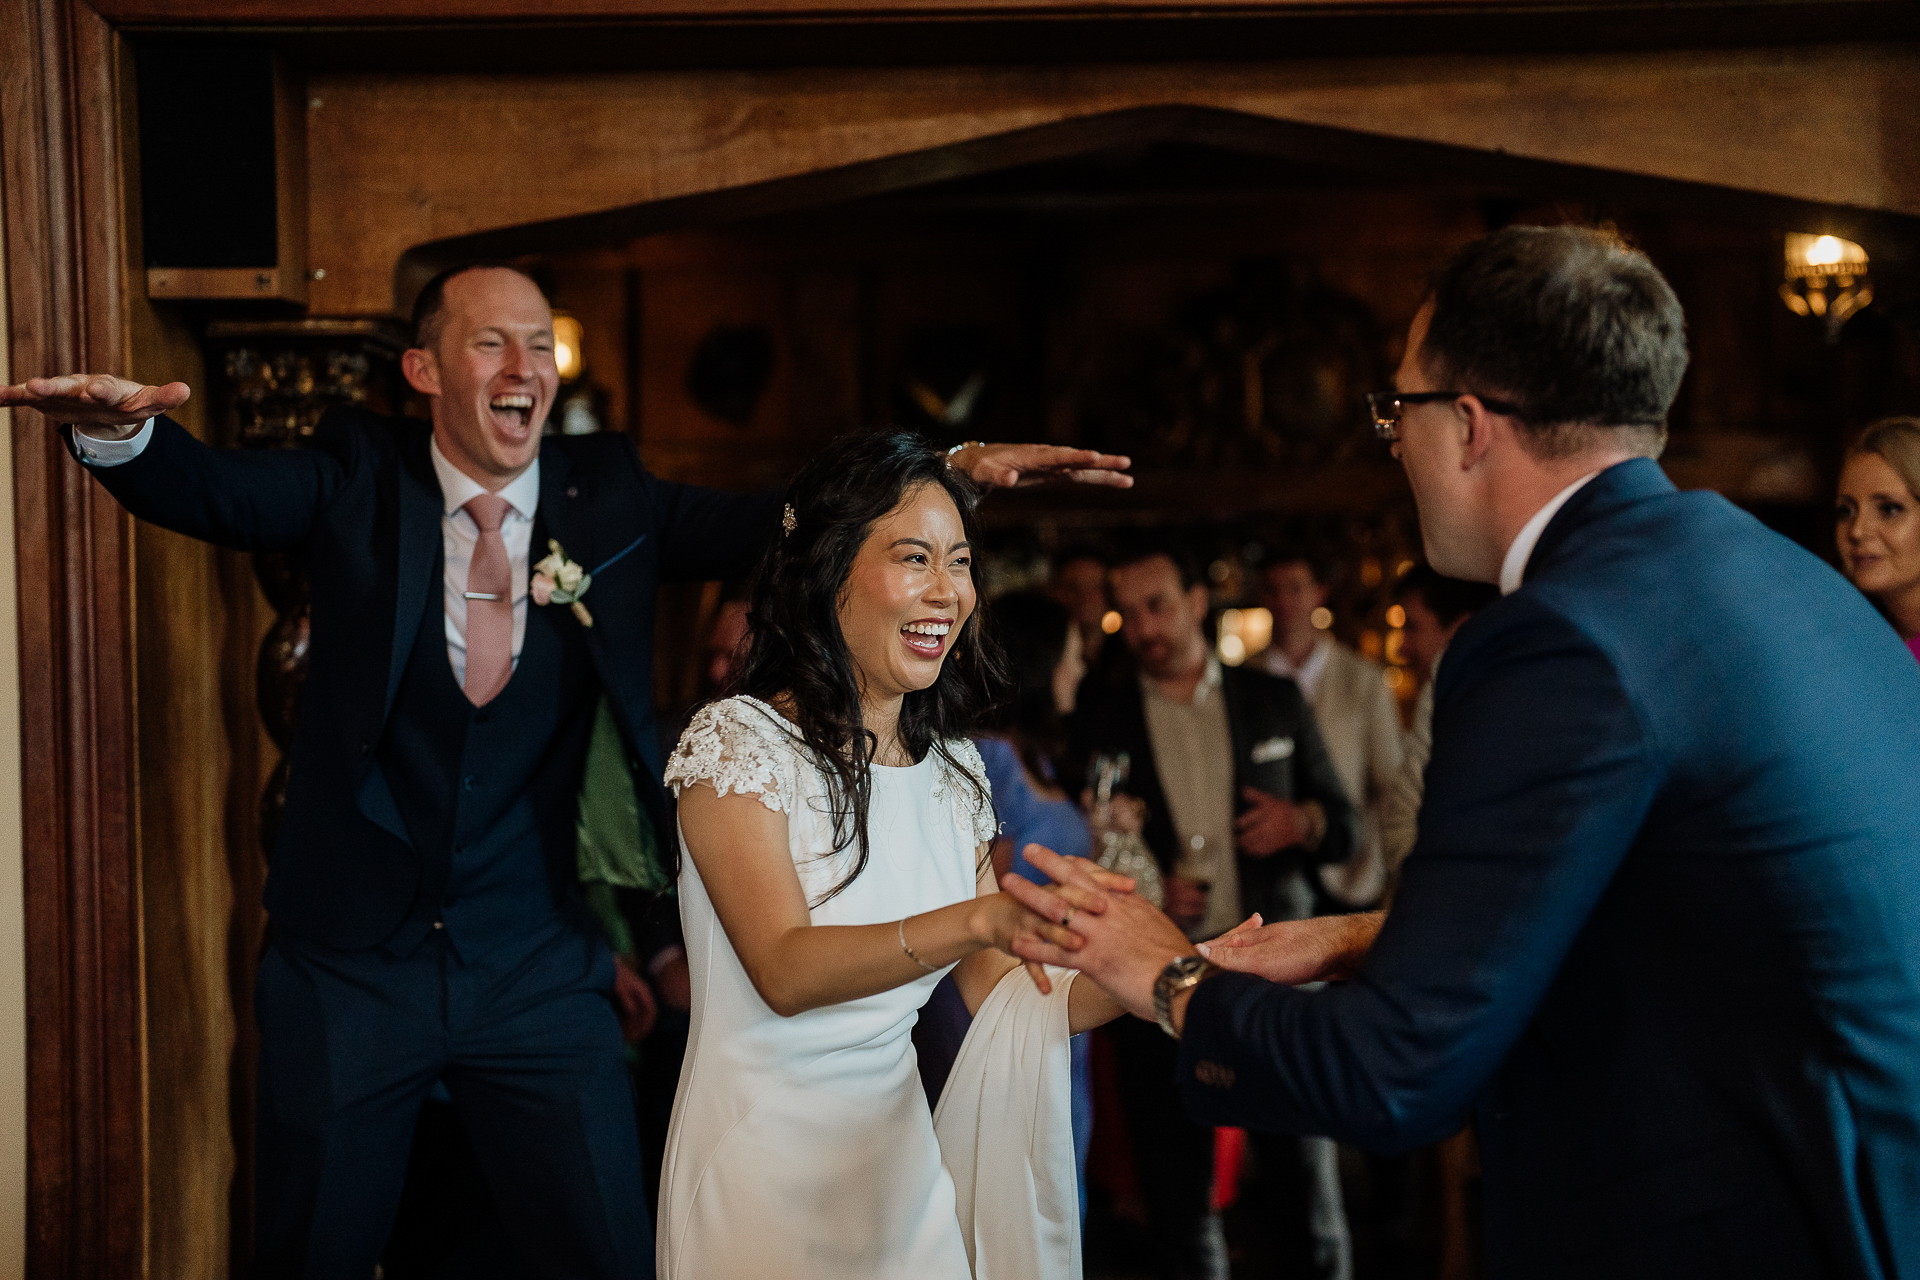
pixel 512 411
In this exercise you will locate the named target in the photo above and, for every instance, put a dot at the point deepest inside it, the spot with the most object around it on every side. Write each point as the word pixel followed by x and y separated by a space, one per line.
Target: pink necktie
pixel 489 603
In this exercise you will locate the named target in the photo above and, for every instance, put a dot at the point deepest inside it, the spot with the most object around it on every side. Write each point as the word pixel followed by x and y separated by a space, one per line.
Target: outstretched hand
pixel 1123 948
pixel 1323 949
pixel 1009 466
pixel 95 399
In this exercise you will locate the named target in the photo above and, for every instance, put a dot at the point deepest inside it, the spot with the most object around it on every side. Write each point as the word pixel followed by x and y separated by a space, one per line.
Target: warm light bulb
pixel 567 336
pixel 1110 621
pixel 1396 616
pixel 1826 255
pixel 1321 618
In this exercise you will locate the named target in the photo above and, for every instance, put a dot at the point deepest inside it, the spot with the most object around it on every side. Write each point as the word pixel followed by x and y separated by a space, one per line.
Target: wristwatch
pixel 1181 973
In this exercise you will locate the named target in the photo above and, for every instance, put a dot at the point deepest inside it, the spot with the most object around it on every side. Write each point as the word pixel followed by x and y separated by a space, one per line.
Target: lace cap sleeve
pixel 739 746
pixel 977 805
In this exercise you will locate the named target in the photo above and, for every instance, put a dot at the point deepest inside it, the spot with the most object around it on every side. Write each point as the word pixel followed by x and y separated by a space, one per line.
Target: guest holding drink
pixel 1243 805
pixel 1877 521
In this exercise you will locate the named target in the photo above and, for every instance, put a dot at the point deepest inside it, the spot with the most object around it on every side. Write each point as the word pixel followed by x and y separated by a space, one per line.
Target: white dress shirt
pixel 1514 567
pixel 1193 754
pixel 1307 674
pixel 458 533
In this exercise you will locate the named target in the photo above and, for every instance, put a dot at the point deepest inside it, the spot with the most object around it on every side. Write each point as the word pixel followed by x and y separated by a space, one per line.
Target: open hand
pixel 95 399
pixel 1323 949
pixel 1008 466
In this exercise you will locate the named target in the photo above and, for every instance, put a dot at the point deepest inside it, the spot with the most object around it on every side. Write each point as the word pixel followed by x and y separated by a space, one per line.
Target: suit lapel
pixel 416 544
pixel 1239 732
pixel 564 516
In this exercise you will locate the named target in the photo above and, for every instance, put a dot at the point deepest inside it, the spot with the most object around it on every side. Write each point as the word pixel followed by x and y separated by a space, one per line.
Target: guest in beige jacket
pixel 1350 699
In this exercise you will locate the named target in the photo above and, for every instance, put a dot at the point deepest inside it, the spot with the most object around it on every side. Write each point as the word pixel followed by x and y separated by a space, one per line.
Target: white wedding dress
pixel 802 1147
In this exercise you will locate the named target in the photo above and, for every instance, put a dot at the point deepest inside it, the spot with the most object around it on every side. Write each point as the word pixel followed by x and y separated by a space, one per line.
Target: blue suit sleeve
pixel 246 499
pixel 708 534
pixel 1541 776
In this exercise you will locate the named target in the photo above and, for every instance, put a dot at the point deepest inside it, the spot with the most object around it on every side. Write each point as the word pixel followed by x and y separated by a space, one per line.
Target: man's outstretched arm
pixel 250 500
pixel 1541 778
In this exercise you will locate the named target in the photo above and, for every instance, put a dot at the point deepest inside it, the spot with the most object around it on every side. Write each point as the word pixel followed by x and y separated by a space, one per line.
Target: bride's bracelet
pixel 902 931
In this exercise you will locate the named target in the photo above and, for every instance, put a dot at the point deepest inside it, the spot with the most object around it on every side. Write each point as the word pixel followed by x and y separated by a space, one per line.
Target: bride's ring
pixel 1067 917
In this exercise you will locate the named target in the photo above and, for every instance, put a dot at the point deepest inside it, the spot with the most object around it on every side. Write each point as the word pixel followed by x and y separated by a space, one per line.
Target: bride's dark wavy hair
pixel 798 659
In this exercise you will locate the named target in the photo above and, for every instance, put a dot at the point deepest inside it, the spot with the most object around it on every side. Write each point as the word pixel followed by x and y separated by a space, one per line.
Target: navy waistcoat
pixel 490 794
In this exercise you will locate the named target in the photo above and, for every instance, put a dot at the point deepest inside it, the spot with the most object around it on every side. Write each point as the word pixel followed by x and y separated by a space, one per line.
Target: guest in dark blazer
pixel 427 920
pixel 1661 927
pixel 1243 806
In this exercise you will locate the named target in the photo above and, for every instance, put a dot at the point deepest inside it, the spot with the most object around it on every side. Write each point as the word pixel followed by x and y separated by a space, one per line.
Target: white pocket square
pixel 1272 749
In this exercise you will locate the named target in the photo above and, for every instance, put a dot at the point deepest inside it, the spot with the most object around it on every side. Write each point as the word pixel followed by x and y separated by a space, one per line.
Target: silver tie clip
pixel 480 595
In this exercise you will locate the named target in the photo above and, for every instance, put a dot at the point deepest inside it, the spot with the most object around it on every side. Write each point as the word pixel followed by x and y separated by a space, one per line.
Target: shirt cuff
pixel 111 453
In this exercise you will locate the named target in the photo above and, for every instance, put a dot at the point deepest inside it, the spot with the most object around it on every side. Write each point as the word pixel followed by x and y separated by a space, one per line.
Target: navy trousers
pixel 526 1041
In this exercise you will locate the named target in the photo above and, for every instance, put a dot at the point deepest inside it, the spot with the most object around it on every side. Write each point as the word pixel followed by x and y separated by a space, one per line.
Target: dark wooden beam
pixel 66 230
pixel 609 35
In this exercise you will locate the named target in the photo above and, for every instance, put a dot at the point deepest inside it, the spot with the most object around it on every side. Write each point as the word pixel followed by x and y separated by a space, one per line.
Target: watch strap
pixel 1181 973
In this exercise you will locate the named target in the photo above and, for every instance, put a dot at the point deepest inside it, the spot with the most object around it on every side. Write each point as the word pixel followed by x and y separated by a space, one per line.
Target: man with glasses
pixel 1660 930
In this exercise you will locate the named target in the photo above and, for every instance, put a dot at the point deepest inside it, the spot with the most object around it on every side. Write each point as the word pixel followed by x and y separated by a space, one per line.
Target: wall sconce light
pixel 566 345
pixel 1826 279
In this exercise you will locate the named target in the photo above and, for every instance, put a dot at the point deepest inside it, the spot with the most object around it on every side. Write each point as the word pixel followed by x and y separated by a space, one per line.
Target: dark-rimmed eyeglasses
pixel 1387 407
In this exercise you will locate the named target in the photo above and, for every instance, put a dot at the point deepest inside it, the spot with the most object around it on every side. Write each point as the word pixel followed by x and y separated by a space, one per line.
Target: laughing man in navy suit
pixel 1660 933
pixel 427 923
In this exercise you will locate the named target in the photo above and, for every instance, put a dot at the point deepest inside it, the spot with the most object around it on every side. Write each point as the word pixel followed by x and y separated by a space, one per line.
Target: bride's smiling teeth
pixel 927 638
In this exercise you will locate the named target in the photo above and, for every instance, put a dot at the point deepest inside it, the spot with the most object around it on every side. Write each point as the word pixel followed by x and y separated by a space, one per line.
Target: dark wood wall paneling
pixel 66 231
pixel 586 35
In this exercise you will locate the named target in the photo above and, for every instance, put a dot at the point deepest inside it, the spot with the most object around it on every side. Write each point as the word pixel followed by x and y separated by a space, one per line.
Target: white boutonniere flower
pixel 558 580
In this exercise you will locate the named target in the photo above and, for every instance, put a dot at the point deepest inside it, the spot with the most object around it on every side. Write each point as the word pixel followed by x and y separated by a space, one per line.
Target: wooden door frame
pixel 66 219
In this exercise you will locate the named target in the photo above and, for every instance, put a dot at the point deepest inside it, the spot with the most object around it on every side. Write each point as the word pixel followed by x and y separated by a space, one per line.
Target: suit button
pixel 469 783
pixel 365 747
pixel 1213 1075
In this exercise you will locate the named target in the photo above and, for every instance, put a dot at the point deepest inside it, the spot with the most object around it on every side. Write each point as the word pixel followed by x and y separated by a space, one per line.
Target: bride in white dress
pixel 834 826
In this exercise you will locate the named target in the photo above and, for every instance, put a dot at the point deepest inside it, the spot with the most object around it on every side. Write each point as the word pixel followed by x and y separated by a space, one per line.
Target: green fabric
pixel 605 906
pixel 616 841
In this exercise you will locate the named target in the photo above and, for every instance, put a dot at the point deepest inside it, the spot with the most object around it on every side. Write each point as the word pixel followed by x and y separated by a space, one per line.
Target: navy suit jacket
pixel 361 508
pixel 1661 926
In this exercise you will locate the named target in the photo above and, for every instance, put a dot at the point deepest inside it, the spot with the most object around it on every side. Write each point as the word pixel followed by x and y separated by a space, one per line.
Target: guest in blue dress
pixel 1044 667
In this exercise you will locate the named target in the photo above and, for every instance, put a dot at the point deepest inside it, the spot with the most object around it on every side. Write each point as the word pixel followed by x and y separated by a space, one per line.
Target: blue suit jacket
pixel 361 509
pixel 1662 924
